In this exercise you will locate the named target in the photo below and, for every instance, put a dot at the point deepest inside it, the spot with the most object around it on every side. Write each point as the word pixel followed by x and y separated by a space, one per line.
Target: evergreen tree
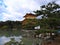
pixel 51 15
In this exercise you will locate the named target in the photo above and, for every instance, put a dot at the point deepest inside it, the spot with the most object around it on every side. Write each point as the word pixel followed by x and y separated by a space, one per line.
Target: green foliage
pixel 50 10
pixel 10 25
pixel 51 15
pixel 45 31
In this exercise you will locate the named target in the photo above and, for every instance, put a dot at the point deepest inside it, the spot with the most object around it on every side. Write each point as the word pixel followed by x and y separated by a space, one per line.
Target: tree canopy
pixel 49 10
pixel 51 15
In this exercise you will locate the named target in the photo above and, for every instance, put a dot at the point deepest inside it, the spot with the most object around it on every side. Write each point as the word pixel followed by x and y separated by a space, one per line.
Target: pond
pixel 4 39
pixel 6 36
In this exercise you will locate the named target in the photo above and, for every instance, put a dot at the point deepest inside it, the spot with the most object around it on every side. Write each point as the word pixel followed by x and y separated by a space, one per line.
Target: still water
pixel 5 36
pixel 4 39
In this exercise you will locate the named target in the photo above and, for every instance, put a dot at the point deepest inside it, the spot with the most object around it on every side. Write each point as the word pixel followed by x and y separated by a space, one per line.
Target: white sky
pixel 16 9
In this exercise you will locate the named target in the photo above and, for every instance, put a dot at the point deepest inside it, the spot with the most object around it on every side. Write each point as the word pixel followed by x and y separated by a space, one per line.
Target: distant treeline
pixel 10 25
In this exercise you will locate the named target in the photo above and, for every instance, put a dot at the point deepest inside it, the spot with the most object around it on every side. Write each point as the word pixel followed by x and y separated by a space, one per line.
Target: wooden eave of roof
pixel 30 15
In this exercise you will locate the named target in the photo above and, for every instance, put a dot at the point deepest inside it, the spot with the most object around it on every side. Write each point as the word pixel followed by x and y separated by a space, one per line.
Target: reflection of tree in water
pixel 13 42
pixel 10 33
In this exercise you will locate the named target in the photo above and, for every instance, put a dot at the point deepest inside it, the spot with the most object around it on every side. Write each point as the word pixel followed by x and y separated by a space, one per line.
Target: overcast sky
pixel 16 9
